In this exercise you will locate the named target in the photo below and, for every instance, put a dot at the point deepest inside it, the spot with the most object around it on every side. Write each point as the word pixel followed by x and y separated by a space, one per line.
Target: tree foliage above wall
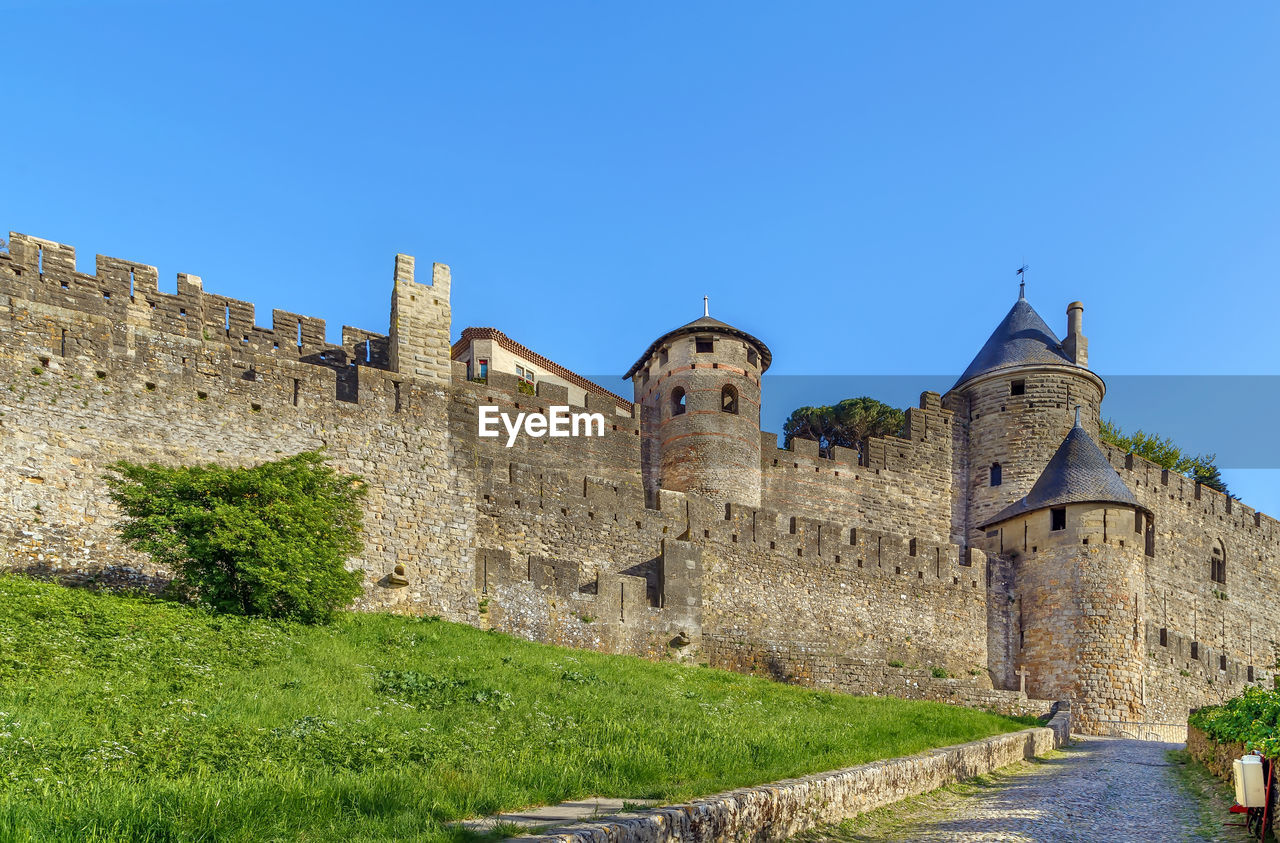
pixel 269 540
pixel 845 424
pixel 1161 451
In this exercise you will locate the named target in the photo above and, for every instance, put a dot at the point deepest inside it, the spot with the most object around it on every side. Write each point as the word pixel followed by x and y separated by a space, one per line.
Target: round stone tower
pixel 1013 405
pixel 1076 541
pixel 698 388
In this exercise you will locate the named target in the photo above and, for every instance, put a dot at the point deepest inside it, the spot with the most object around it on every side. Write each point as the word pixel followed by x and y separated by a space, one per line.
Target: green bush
pixel 269 540
pixel 1249 718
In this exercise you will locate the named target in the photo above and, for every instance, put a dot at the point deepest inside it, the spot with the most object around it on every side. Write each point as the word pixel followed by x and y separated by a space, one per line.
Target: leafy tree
pixel 1163 452
pixel 269 540
pixel 845 424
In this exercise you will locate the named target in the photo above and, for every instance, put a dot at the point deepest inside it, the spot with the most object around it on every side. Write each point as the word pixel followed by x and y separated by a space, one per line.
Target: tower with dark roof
pixel 698 388
pixel 1013 406
pixel 1079 541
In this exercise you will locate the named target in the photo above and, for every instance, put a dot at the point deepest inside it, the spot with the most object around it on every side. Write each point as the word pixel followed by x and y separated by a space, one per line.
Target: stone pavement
pixel 1097 790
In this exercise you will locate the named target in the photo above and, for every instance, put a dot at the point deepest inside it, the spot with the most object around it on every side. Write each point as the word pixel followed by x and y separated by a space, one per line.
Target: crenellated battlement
pixel 125 295
pixel 1160 488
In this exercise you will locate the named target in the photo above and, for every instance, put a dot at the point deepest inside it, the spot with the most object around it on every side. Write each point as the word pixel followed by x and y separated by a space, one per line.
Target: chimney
pixel 1076 345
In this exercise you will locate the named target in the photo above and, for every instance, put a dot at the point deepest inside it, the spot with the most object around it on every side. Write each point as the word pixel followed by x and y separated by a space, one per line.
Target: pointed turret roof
pixel 1077 473
pixel 702 324
pixel 1022 338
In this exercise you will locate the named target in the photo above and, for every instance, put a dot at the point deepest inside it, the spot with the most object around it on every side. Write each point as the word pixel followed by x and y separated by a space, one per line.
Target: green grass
pixel 133 719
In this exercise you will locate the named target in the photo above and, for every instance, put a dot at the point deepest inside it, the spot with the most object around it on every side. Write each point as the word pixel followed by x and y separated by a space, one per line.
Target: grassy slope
pixel 126 718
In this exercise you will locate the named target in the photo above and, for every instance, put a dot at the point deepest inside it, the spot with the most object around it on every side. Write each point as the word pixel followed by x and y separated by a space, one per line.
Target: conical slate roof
pixel 699 325
pixel 1022 338
pixel 1077 473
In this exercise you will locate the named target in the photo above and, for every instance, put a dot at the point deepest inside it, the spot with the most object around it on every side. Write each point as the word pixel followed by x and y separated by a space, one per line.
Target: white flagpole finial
pixel 706 306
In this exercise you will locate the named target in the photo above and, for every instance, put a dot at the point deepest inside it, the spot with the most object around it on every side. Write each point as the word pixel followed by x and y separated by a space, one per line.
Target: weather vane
pixel 1022 280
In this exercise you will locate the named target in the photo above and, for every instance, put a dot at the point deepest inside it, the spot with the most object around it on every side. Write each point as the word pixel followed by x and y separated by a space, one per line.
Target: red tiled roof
pixel 471 334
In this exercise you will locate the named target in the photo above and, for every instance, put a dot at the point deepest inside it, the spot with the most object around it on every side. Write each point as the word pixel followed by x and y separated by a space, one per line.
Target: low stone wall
pixel 1218 758
pixel 783 809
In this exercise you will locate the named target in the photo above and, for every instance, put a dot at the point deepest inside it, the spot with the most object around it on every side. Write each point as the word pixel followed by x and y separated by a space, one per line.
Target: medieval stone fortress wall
pixel 994 541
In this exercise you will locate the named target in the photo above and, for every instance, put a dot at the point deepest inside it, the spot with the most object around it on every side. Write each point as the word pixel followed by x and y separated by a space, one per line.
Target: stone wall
pixel 898 482
pixel 784 809
pixel 840 568
pixel 1204 641
pixel 104 367
pixel 768 579
pixel 1219 759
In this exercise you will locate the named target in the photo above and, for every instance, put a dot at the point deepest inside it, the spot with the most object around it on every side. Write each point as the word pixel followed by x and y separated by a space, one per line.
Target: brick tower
pixel 698 388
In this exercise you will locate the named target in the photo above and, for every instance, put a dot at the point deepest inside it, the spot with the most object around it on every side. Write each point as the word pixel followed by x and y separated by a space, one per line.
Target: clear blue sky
pixel 854 184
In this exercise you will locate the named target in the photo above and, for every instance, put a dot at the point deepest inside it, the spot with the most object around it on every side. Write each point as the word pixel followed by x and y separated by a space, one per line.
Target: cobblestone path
pixel 1098 790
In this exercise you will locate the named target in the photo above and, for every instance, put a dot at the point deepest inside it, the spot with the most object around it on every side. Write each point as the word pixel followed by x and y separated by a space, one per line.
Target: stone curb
pixel 786 808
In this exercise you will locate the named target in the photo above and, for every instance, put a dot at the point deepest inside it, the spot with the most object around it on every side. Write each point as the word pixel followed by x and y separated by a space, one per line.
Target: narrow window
pixel 227 317
pixel 299 333
pixel 396 385
pixel 1164 636
pixel 484 370
pixel 729 400
pixel 368 351
pixel 1195 651
pixel 752 357
pixel 1218 565
pixel 1250 674
pixel 1222 663
pixel 662 357
pixel 63 352
pixel 297 388
pixel 1018 387
pixel 997 474
pixel 1137 521
pixel 1058 518
pixel 704 345
pixel 677 401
